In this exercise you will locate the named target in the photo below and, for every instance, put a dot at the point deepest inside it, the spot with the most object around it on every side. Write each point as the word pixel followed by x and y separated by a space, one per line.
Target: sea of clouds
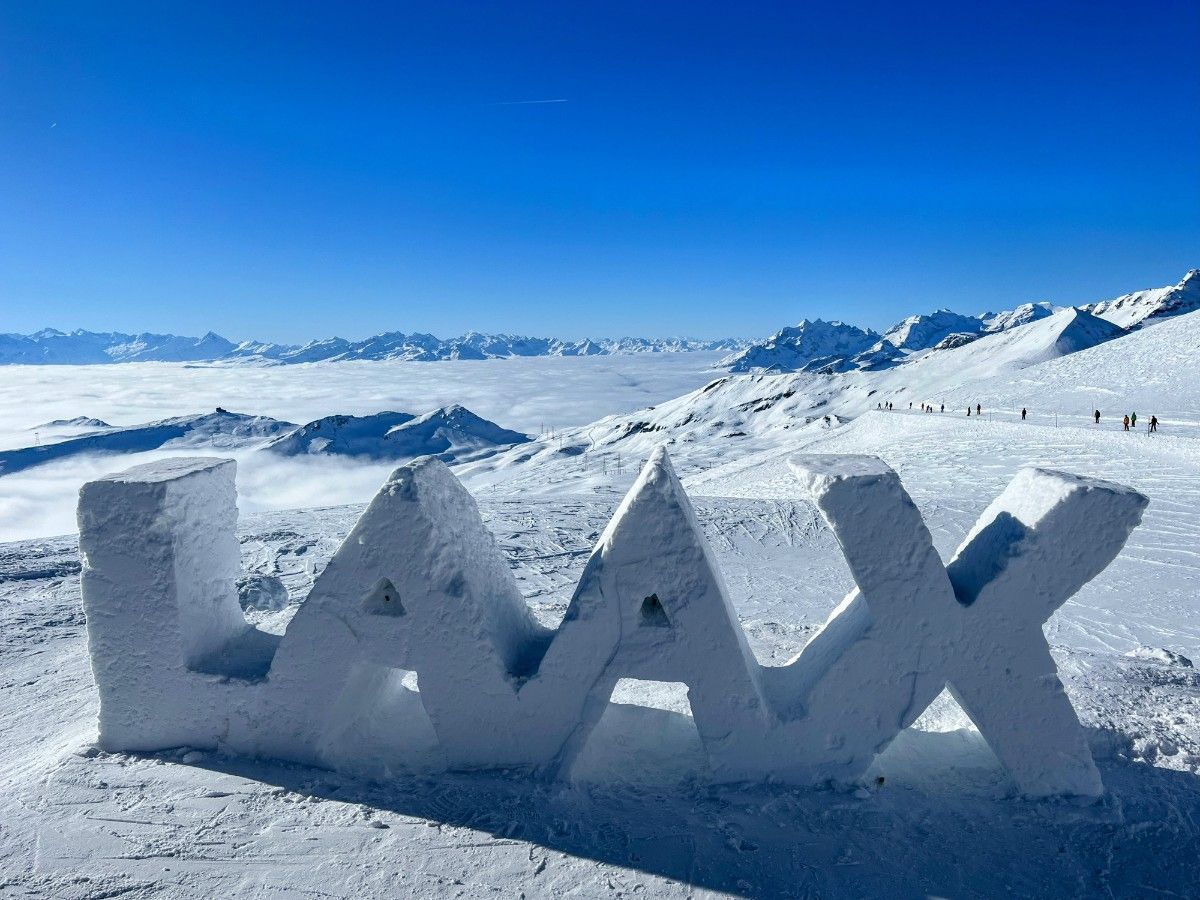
pixel 524 394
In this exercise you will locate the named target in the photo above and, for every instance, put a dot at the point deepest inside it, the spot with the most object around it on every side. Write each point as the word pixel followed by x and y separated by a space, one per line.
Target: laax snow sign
pixel 419 586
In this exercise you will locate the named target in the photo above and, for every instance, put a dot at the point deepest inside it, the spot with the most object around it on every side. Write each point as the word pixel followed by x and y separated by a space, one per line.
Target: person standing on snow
pixel 1023 414
pixel 968 412
pixel 1133 420
pixel 1154 423
pixel 978 410
pixel 1126 421
pixel 1096 414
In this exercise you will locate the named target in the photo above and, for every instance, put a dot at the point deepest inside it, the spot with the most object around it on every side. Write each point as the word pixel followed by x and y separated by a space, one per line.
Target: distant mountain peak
pixel 50 346
pixel 925 330
pixel 797 346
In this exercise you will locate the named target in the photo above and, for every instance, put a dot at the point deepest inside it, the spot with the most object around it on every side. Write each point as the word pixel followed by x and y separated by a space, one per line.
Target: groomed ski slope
pixel 953 466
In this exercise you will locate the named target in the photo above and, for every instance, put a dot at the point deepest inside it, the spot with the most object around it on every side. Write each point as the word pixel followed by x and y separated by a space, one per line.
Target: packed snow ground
pixel 639 816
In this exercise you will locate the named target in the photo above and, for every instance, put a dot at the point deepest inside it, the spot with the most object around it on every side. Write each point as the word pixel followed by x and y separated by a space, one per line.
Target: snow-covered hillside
pixel 737 413
pixel 219 430
pixel 1152 306
pixel 86 347
pixel 1151 370
pixel 340 435
pixel 451 433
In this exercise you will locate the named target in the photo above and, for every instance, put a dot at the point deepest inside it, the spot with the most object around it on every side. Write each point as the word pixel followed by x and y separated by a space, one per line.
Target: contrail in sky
pixel 527 102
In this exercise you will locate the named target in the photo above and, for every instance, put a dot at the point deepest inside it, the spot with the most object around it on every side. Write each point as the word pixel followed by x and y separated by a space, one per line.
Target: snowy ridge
pixel 449 433
pixel 1152 306
pixel 220 430
pixel 51 347
pixel 833 347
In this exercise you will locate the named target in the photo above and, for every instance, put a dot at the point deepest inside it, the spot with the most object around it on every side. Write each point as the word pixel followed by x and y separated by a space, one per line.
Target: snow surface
pixel 942 822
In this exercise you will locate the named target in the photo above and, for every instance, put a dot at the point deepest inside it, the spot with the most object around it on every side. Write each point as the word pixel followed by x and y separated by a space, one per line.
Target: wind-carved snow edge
pixel 419 586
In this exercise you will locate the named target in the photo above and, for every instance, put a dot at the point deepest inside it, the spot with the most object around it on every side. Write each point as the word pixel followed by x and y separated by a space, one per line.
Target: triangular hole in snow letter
pixel 384 600
pixel 653 613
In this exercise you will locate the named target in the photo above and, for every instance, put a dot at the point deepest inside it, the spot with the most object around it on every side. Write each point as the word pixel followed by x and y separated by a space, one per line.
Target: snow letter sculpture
pixel 419 588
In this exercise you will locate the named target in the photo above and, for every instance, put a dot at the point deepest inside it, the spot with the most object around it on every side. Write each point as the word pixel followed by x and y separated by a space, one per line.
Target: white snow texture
pixel 419 587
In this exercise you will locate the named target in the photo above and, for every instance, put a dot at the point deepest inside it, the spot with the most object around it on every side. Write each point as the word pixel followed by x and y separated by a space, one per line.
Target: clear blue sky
pixel 296 170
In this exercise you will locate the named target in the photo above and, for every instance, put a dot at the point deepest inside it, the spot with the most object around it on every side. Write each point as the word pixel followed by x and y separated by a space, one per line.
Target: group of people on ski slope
pixel 1130 420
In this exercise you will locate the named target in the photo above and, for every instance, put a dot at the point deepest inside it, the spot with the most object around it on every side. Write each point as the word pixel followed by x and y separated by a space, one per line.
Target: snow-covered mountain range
pixel 1152 306
pixel 832 347
pixel 829 347
pixel 52 347
pixel 811 345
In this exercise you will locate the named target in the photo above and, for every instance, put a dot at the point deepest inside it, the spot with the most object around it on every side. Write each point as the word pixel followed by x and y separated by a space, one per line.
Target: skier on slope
pixel 1154 423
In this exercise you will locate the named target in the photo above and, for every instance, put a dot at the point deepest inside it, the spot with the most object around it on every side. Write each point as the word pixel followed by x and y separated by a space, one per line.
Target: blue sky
pixel 296 170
